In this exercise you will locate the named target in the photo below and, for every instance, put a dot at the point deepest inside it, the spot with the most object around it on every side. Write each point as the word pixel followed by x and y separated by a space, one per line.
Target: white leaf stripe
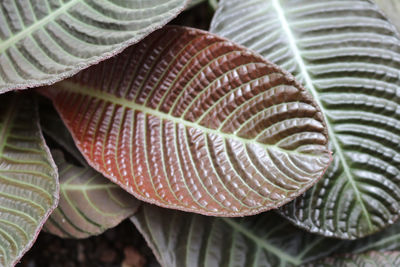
pixel 347 55
pixel 89 204
pixel 187 239
pixel 41 43
pixel 28 178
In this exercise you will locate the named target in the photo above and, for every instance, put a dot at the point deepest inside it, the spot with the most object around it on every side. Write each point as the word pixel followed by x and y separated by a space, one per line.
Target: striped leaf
pixel 386 240
pixel 190 121
pixel 391 8
pixel 371 258
pixel 89 203
pixel 181 239
pixel 348 57
pixel 28 177
pixel 44 41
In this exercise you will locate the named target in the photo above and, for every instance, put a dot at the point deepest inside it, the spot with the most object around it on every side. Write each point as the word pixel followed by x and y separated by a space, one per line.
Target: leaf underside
pixel 348 56
pixel 28 177
pixel 44 41
pixel 372 258
pixel 89 203
pixel 190 121
pixel 185 239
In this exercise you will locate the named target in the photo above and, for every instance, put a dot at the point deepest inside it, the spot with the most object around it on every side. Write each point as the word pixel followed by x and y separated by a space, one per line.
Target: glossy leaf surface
pixel 348 57
pixel 190 121
pixel 184 239
pixel 89 203
pixel 372 258
pixel 28 177
pixel 44 41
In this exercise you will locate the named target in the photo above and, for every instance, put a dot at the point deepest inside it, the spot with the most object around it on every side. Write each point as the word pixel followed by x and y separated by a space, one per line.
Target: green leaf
pixel 194 3
pixel 185 239
pixel 348 57
pixel 371 258
pixel 28 177
pixel 190 121
pixel 386 240
pixel 53 127
pixel 89 203
pixel 42 41
pixel 391 8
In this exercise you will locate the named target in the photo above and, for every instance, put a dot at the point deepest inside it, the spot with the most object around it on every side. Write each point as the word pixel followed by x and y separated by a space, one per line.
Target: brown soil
pixel 120 246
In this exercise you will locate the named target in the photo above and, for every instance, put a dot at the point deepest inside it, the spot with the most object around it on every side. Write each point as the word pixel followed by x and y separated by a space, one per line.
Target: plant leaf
pixel 391 8
pixel 53 127
pixel 183 239
pixel 347 55
pixel 371 258
pixel 194 3
pixel 43 41
pixel 386 240
pixel 28 177
pixel 89 203
pixel 186 239
pixel 190 121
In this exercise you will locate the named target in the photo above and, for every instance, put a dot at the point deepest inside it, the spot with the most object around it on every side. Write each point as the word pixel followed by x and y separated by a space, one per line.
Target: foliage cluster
pixel 273 139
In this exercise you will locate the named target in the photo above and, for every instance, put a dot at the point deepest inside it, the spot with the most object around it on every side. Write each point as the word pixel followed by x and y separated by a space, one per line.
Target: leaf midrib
pixel 85 188
pixel 36 25
pixel 311 88
pixel 281 254
pixel 107 97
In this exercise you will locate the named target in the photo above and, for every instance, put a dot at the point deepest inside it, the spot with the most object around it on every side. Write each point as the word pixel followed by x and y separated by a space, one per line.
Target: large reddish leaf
pixel 191 121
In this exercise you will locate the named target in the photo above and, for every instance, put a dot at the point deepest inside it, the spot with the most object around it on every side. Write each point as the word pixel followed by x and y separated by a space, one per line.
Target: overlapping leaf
pixel 184 239
pixel 348 57
pixel 383 241
pixel 386 240
pixel 44 41
pixel 54 128
pixel 89 203
pixel 372 258
pixel 28 177
pixel 190 121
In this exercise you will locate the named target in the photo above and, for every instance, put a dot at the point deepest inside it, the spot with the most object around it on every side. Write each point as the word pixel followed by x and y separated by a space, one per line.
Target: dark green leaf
pixel 370 259
pixel 348 57
pixel 184 239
